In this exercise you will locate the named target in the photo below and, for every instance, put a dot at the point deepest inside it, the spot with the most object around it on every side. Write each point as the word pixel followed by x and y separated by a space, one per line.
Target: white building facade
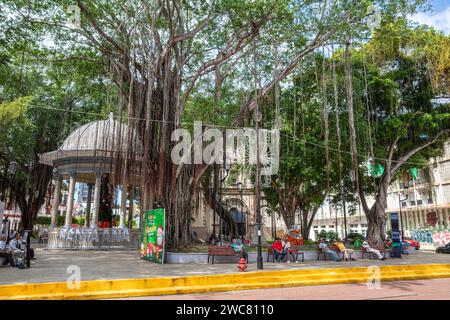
pixel 422 198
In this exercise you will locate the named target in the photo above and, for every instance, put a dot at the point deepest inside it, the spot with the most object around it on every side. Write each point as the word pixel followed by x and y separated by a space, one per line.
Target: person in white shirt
pixel 3 239
pixel 368 248
pixel 16 247
pixel 287 248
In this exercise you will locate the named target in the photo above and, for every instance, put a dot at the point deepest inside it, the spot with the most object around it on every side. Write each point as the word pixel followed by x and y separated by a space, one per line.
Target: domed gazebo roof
pixel 92 146
pixel 98 135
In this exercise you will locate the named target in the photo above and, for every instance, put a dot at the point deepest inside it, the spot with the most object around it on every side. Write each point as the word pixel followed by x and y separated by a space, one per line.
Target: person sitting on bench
pixel 4 260
pixel 348 253
pixel 17 252
pixel 287 248
pixel 278 250
pixel 368 248
pixel 323 246
pixel 3 240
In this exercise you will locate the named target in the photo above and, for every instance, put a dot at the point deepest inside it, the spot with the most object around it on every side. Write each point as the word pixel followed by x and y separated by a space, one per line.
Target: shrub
pixel 327 235
pixel 45 221
pixel 61 220
pixel 352 236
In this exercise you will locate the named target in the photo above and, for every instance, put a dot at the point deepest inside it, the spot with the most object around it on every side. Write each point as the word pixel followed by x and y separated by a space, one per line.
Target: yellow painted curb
pixel 120 288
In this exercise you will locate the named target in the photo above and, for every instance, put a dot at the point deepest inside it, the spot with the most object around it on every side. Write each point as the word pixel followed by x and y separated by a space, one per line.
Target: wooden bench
pixel 334 248
pixel 7 254
pixel 221 251
pixel 293 253
pixel 380 248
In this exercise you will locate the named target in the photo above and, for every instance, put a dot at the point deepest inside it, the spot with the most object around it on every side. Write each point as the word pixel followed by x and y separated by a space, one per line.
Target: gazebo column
pixel 56 201
pixel 87 218
pixel 70 197
pixel 98 183
pixel 123 207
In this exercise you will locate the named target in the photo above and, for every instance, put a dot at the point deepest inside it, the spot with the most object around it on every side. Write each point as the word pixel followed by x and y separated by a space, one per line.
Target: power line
pixel 213 126
pixel 347 152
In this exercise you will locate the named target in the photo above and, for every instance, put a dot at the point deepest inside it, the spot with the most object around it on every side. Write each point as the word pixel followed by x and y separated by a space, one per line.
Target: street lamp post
pixel 240 190
pixel 259 260
pixel 273 226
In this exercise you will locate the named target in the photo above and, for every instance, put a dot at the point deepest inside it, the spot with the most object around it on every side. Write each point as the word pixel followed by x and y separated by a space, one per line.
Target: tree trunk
pixel 289 218
pixel 376 224
pixel 31 199
pixel 307 222
pixel 376 219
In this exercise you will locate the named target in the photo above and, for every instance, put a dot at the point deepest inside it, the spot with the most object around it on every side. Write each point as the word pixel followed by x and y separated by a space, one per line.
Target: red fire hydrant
pixel 242 265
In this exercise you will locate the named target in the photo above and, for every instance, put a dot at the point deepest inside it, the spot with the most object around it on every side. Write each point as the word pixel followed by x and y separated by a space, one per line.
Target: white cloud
pixel 439 20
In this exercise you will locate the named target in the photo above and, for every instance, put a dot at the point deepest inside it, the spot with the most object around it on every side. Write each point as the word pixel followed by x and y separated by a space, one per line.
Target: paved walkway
pixel 434 289
pixel 52 266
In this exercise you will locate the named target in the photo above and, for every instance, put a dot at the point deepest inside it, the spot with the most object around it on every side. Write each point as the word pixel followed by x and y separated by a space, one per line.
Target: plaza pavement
pixel 429 289
pixel 52 266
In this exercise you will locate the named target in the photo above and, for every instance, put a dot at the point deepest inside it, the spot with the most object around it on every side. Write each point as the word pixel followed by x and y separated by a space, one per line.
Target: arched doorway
pixel 240 214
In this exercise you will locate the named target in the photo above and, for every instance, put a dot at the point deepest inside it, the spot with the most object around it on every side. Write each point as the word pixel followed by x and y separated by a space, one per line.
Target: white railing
pixel 93 238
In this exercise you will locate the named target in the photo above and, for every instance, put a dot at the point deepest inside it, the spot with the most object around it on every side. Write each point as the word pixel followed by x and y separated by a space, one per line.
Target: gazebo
pixel 94 154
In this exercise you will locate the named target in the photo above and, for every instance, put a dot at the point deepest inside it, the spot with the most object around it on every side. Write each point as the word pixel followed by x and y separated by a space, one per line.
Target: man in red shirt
pixel 278 250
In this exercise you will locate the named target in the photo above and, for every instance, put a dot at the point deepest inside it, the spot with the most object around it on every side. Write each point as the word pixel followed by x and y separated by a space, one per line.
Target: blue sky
pixel 438 18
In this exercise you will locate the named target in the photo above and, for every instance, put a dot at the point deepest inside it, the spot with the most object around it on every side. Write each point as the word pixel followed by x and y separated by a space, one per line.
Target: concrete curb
pixel 121 288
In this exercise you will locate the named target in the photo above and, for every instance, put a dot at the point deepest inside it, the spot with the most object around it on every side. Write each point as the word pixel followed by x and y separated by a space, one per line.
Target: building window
pixel 331 227
pixel 413 203
pixel 419 202
pixel 323 227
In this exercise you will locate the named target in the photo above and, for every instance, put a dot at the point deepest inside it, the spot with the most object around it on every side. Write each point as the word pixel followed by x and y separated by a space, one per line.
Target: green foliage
pixel 45 220
pixel 10 111
pixel 354 235
pixel 389 234
pixel 329 236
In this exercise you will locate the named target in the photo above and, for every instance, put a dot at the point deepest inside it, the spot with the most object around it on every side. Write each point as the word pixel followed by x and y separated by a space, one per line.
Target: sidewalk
pixel 51 266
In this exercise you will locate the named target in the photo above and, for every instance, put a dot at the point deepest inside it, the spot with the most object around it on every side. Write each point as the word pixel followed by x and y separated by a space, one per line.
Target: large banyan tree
pixel 159 50
pixel 161 53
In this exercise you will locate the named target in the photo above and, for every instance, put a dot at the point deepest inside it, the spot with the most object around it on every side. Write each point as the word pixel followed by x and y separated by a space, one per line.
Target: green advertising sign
pixel 153 235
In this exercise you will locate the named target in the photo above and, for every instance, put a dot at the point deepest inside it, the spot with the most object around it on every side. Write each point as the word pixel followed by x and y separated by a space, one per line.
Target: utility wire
pixel 215 126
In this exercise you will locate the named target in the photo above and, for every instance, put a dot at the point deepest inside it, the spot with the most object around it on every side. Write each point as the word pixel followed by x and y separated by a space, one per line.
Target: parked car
pixel 412 242
pixel 444 249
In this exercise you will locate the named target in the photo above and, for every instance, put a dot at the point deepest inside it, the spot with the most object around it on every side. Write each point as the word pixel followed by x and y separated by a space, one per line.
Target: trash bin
pixel 396 250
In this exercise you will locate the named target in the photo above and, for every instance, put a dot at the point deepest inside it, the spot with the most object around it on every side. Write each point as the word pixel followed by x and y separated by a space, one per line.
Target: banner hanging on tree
pixel 153 235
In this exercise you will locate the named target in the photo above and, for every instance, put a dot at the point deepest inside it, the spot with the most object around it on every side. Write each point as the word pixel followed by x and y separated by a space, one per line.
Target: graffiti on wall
pixel 432 237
